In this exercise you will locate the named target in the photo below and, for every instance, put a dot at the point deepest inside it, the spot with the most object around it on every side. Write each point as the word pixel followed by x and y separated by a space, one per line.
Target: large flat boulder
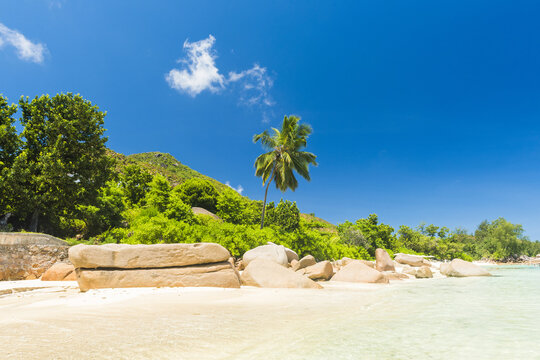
pixel 60 272
pixel 272 252
pixel 383 262
pixel 268 274
pixel 124 256
pixel 356 271
pixel 462 268
pixel 412 260
pixel 211 275
pixel 320 271
pixel 28 255
pixel 16 238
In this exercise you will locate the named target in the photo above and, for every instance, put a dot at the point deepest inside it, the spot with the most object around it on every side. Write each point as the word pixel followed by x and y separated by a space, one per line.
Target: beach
pixel 450 318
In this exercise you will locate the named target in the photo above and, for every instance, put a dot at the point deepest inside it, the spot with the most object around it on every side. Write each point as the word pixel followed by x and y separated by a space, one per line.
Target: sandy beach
pixel 456 317
pixel 209 323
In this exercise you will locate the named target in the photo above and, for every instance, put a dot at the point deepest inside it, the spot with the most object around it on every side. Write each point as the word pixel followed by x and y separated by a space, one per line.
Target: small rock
pixel 423 273
pixel 304 262
pixel 275 253
pixel 383 261
pixel 58 272
pixel 356 271
pixel 462 268
pixel 413 260
pixel 320 271
pixel 268 274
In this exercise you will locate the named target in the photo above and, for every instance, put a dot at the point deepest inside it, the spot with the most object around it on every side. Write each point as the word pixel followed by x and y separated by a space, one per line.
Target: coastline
pixel 345 320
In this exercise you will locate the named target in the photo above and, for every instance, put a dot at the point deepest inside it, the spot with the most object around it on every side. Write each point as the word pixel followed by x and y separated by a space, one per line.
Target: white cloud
pixel 200 73
pixel 238 189
pixel 255 85
pixel 26 50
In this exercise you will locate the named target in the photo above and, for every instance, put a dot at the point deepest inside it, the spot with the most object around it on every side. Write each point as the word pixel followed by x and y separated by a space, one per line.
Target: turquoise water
pixel 494 317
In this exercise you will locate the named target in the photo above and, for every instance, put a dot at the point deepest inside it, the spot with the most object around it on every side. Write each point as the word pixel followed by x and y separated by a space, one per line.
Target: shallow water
pixel 494 317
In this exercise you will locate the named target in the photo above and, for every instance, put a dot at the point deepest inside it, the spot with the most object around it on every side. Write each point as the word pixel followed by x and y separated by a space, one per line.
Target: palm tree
pixel 285 156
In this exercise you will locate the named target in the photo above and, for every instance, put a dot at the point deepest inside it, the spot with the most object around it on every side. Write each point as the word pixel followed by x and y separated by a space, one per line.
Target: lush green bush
pixel 135 182
pixel 285 215
pixel 198 192
pixel 159 193
pixel 179 210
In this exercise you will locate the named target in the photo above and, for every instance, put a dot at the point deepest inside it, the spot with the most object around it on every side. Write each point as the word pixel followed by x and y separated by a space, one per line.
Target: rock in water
pixel 210 275
pixel 320 271
pixel 413 260
pixel 462 268
pixel 268 274
pixel 383 261
pixel 275 253
pixel 125 256
pixel 423 273
pixel 59 272
pixel 304 262
pixel 356 271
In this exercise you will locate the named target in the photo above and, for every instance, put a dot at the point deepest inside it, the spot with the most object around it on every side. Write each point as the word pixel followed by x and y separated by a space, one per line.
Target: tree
pixel 198 192
pixel 285 156
pixel 378 235
pixel 135 183
pixel 9 149
pixel 179 210
pixel 63 162
pixel 285 215
pixel 231 207
pixel 501 239
pixel 159 193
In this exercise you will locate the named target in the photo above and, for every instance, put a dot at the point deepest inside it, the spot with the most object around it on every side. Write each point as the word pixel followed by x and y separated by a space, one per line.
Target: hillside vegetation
pixel 58 177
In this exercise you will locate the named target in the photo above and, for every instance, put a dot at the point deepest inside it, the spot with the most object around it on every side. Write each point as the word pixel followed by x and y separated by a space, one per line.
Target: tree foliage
pixel 198 192
pixel 10 144
pixel 62 163
pixel 285 156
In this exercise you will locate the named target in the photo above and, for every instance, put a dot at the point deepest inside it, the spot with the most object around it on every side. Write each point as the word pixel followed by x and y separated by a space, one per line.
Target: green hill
pixel 176 173
pixel 164 164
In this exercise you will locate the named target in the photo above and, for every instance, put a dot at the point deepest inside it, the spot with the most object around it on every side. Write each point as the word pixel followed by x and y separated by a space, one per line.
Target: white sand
pixel 54 320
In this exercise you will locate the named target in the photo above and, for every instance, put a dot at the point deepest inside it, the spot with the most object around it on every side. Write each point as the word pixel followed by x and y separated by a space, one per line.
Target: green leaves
pixel 61 163
pixel 285 157
pixel 198 193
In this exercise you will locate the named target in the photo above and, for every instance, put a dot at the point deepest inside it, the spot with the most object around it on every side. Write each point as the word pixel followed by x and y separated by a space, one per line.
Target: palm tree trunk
pixel 264 203
pixel 266 194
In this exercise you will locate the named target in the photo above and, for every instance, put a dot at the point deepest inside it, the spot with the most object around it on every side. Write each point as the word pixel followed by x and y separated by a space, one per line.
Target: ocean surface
pixel 495 317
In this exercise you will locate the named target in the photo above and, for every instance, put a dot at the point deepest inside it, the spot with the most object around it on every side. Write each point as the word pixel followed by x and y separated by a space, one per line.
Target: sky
pixel 422 111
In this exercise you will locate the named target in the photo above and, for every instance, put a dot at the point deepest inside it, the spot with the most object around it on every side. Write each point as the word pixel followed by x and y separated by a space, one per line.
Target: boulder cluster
pixel 162 265
pixel 211 265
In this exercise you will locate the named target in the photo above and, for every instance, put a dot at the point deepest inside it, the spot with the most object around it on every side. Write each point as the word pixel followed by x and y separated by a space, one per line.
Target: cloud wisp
pixel 254 85
pixel 200 73
pixel 238 189
pixel 26 50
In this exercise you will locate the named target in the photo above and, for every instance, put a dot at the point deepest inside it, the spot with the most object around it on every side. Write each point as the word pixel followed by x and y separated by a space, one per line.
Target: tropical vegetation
pixel 58 177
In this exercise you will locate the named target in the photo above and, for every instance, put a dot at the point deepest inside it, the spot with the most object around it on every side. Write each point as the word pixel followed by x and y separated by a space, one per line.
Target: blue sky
pixel 423 111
